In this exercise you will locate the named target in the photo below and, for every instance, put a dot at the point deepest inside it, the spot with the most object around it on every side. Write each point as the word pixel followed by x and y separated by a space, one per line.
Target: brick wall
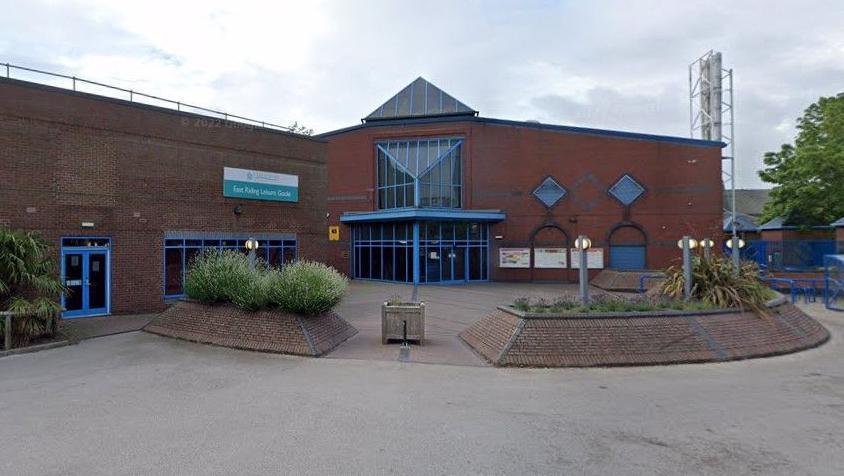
pixel 138 171
pixel 503 164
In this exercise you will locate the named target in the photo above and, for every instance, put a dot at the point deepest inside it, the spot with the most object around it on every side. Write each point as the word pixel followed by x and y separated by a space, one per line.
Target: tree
pixel 29 283
pixel 297 128
pixel 809 175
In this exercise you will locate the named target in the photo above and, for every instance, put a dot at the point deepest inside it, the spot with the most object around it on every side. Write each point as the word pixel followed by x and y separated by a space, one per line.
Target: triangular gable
pixel 420 99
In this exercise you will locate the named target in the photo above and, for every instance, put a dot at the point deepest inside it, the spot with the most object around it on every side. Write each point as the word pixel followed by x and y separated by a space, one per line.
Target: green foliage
pixel 303 287
pixel 218 276
pixel 307 287
pixel 808 175
pixel 253 293
pixel 604 303
pixel 29 282
pixel 714 282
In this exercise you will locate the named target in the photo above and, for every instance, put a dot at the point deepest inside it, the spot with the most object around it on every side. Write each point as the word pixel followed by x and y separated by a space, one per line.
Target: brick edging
pixel 651 340
pixel 264 331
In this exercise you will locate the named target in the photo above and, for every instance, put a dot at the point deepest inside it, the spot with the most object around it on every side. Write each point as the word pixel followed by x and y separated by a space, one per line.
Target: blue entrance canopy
pixel 422 214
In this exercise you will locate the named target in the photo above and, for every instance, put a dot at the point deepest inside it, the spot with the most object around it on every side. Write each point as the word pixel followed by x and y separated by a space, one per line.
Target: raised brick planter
pixel 510 338
pixel 265 331
pixel 623 281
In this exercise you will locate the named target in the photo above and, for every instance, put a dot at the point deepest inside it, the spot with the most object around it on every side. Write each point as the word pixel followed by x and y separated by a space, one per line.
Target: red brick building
pixel 127 193
pixel 426 190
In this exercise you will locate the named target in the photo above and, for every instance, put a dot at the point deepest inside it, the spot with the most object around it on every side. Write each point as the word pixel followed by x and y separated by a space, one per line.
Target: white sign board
pixel 514 258
pixel 594 258
pixel 550 257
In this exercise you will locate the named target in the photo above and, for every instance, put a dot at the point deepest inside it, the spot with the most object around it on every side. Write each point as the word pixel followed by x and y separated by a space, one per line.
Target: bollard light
pixel 692 244
pixel 741 243
pixel 686 245
pixel 251 245
pixel 582 243
pixel 707 245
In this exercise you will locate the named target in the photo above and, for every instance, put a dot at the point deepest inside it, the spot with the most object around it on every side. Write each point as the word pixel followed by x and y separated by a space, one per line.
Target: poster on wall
pixel 514 258
pixel 260 185
pixel 550 257
pixel 594 258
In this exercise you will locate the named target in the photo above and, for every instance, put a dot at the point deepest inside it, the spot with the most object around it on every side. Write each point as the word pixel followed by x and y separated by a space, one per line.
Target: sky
pixel 606 64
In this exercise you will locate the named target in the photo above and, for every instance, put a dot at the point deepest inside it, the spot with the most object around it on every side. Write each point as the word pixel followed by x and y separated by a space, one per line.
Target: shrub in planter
pixel 307 287
pixel 221 276
pixel 606 303
pixel 253 293
pixel 715 282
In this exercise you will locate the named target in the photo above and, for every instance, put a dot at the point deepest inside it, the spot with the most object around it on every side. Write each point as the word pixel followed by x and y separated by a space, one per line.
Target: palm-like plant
pixel 29 284
pixel 715 282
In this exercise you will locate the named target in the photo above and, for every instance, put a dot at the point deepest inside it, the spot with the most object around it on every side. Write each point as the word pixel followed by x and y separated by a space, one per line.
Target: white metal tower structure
pixel 711 117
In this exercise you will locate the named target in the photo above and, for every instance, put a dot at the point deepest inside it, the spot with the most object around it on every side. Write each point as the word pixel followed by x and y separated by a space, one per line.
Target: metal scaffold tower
pixel 711 117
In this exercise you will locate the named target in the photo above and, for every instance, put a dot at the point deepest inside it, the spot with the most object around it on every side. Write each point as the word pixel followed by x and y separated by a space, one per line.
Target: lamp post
pixel 735 244
pixel 707 245
pixel 251 245
pixel 582 243
pixel 687 244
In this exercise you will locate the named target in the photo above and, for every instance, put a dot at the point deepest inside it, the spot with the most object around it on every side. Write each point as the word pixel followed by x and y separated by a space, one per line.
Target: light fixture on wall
pixel 238 209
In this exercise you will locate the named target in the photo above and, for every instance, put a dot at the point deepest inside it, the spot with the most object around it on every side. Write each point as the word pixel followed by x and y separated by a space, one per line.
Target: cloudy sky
pixel 605 64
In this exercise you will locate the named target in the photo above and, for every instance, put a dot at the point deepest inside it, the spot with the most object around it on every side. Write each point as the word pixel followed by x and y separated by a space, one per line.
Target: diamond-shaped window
pixel 549 192
pixel 626 190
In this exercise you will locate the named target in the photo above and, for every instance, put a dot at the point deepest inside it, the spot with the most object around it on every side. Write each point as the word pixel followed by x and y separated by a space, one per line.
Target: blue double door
pixel 86 274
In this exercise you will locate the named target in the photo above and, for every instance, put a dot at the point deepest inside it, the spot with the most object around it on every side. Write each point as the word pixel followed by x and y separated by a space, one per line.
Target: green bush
pixel 307 287
pixel 303 287
pixel 30 285
pixel 220 276
pixel 606 303
pixel 715 282
pixel 253 294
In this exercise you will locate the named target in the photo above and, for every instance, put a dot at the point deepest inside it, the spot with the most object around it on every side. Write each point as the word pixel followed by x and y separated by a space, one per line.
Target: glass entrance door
pixel 457 257
pixel 86 275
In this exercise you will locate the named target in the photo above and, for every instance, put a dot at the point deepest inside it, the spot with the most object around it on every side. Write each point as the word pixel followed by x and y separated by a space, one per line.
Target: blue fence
pixel 834 282
pixel 789 255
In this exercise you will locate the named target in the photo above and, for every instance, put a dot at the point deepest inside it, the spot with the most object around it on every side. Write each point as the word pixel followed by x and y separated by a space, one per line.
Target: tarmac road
pixel 142 404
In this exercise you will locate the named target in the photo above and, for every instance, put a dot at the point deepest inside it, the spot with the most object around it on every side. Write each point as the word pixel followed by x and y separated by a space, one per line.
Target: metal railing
pixel 133 96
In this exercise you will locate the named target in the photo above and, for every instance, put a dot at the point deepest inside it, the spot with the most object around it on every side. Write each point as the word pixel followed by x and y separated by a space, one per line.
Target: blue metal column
pixel 416 263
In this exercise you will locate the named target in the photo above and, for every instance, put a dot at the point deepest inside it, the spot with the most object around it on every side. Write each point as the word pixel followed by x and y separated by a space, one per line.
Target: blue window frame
pixel 420 173
pixel 179 252
pixel 448 251
pixel 626 190
pixel 86 272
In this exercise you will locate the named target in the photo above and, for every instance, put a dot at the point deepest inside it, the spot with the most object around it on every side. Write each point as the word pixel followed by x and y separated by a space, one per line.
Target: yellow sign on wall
pixel 333 233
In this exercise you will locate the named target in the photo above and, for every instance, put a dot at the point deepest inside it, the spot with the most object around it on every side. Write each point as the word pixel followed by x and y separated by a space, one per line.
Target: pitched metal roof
pixel 748 201
pixel 839 223
pixel 744 223
pixel 420 99
pixel 777 223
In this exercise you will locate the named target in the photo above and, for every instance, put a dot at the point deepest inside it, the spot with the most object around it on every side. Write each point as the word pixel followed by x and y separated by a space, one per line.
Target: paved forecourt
pixel 449 310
